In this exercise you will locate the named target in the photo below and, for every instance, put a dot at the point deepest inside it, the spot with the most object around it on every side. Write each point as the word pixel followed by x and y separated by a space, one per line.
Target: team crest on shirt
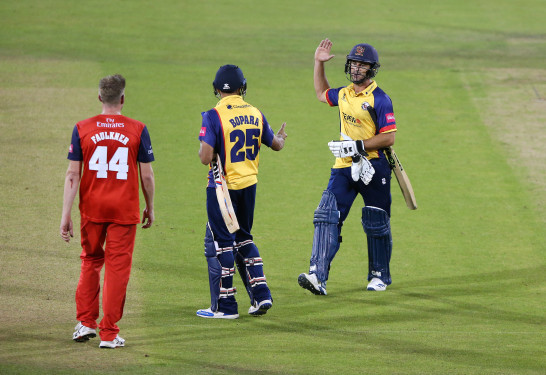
pixel 365 106
pixel 359 51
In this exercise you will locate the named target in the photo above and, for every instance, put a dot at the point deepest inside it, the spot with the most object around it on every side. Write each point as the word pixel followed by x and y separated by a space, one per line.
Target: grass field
pixel 468 83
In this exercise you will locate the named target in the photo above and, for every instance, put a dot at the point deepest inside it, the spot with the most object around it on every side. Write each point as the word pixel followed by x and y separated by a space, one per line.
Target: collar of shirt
pixel 230 99
pixel 366 92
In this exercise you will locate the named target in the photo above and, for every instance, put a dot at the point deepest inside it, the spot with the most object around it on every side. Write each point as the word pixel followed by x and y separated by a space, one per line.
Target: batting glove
pixel 367 171
pixel 343 149
pixel 356 167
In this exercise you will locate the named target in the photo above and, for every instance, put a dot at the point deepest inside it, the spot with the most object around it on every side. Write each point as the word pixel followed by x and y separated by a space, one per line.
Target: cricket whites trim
pixel 222 194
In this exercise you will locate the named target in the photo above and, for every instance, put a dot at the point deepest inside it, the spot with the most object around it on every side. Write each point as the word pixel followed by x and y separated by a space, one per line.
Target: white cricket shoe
pixel 83 333
pixel 116 343
pixel 311 283
pixel 260 308
pixel 377 285
pixel 208 313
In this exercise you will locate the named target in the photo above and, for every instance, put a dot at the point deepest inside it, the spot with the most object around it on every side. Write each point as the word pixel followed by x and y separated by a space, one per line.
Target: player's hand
pixel 343 149
pixel 66 229
pixel 281 133
pixel 147 218
pixel 278 139
pixel 323 51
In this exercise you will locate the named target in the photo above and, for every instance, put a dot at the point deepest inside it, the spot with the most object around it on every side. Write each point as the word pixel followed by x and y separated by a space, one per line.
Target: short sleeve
pixel 75 149
pixel 145 151
pixel 385 114
pixel 208 130
pixel 332 96
pixel 267 133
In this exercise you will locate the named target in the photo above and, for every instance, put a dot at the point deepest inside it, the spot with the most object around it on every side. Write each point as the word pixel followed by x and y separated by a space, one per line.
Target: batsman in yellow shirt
pixel 367 126
pixel 235 131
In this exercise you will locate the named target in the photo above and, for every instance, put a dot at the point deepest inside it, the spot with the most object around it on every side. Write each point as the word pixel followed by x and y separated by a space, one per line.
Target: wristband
pixel 360 148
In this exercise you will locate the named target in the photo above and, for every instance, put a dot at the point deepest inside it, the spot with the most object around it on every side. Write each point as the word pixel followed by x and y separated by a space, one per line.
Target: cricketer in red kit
pixel 106 153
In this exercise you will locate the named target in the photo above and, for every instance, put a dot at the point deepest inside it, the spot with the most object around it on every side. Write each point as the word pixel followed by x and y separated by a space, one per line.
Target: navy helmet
pixel 364 53
pixel 229 78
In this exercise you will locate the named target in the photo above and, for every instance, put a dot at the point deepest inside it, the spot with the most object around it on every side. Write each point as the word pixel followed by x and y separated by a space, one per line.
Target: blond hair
pixel 112 88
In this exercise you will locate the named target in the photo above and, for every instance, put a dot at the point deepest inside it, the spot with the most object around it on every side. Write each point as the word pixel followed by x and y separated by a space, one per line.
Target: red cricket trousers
pixel 111 245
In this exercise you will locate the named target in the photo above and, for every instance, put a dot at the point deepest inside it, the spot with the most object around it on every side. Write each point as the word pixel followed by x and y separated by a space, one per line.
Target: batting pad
pixel 221 269
pixel 326 235
pixel 250 266
pixel 376 224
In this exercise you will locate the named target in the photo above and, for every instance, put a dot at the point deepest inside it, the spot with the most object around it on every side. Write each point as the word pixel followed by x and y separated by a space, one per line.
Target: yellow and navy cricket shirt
pixel 236 131
pixel 355 120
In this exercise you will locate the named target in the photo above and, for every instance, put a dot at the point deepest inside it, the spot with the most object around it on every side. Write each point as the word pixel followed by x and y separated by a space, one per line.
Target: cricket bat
pixel 222 194
pixel 396 166
pixel 402 177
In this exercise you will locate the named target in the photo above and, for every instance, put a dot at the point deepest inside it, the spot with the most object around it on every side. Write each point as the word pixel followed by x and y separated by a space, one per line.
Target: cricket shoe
pixel 83 333
pixel 311 283
pixel 377 285
pixel 208 313
pixel 118 342
pixel 260 308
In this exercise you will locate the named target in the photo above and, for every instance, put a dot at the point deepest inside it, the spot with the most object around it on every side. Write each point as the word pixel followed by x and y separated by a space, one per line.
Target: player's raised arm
pixel 322 54
pixel 278 139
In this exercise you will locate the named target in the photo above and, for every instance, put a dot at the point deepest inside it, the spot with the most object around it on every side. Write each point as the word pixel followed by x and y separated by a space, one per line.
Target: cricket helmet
pixel 364 53
pixel 229 78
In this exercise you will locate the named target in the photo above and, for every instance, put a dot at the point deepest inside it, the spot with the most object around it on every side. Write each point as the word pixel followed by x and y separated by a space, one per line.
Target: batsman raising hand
pixel 322 53
pixel 235 131
pixel 360 168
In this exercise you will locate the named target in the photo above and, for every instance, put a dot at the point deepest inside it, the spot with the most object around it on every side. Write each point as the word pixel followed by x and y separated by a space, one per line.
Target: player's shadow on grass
pixel 464 295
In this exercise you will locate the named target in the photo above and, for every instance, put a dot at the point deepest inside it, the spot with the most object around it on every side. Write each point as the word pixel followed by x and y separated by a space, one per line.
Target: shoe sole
pixel 306 284
pixel 262 310
pixel 110 347
pixel 85 337
pixel 219 317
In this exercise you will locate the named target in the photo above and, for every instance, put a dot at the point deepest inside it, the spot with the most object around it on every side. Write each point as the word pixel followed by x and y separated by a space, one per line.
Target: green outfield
pixel 468 83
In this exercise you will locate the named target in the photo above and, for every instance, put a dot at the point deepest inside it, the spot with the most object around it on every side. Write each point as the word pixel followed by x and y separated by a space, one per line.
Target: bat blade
pixel 402 178
pixel 222 194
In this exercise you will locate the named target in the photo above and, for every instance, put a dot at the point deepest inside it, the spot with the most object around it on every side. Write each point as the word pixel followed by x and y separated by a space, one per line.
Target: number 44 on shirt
pixel 118 162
